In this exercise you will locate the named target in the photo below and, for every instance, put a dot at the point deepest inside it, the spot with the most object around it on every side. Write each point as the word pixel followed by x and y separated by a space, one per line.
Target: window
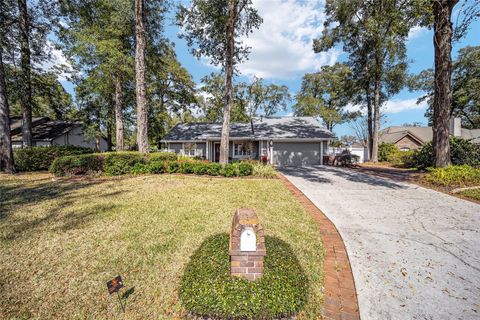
pixel 242 149
pixel 189 149
pixel 404 149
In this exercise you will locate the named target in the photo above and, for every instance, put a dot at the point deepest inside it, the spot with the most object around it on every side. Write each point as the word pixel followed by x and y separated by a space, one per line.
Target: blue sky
pixel 281 53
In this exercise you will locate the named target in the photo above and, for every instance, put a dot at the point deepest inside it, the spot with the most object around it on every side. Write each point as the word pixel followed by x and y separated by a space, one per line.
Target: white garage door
pixel 296 154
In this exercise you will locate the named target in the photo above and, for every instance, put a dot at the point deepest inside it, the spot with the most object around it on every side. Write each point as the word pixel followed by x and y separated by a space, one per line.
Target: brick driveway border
pixel 340 297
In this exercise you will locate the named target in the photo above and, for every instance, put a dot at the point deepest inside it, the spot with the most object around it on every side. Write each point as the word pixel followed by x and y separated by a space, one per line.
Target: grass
pixel 61 240
pixel 471 193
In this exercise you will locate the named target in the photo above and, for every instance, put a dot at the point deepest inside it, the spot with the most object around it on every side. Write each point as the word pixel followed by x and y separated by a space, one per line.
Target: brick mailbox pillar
pixel 247 245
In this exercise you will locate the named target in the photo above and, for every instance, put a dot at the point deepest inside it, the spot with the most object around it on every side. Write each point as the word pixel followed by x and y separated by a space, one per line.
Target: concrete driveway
pixel 415 253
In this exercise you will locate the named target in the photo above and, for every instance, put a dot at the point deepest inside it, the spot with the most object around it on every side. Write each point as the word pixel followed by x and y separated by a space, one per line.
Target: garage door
pixel 296 154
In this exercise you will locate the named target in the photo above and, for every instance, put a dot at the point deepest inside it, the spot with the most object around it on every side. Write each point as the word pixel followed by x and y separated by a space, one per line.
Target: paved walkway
pixel 415 252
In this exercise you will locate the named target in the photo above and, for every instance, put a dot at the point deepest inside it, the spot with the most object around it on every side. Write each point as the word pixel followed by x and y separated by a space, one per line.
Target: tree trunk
pixel 228 95
pixel 119 145
pixel 26 70
pixel 376 118
pixel 369 122
pixel 140 88
pixel 442 42
pixel 6 154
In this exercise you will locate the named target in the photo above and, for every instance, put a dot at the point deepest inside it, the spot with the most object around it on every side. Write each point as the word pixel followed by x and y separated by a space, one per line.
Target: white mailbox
pixel 248 240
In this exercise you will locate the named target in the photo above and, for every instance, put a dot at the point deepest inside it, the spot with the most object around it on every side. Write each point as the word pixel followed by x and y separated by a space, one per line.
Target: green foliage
pixel 208 290
pixel 49 97
pixel 465 83
pixel 119 163
pixel 161 156
pixel 250 99
pixel 132 162
pixel 472 194
pixel 186 167
pixel 172 167
pixel 214 169
pixel 346 158
pixel 204 27
pixel 325 94
pixel 388 152
pixel 263 170
pixel 454 176
pixel 461 152
pixel 40 158
pixel 140 168
pixel 78 164
pixel 156 167
pixel 230 170
pixel 201 167
pixel 245 169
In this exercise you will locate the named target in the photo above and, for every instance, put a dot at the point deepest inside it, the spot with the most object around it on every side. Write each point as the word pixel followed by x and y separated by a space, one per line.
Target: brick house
pixel 412 138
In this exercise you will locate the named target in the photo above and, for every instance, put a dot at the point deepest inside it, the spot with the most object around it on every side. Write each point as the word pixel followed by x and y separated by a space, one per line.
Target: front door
pixel 216 148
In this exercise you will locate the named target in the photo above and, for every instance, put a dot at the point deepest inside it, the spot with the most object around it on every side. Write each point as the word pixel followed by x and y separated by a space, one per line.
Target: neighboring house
pixel 411 138
pixel 46 132
pixel 283 141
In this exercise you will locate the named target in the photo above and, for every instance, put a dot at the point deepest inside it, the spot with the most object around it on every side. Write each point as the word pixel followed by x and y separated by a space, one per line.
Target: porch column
pixel 321 152
pixel 206 149
pixel 271 152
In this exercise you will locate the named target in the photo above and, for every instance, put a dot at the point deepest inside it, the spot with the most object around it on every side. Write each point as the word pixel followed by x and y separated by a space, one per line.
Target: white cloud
pixel 416 32
pixel 395 106
pixel 57 60
pixel 282 46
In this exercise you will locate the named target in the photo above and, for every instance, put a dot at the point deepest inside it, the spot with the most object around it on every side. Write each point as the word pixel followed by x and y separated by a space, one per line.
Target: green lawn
pixel 61 240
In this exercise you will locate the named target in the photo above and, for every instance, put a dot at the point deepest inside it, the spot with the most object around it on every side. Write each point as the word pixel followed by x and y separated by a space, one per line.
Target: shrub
pixel 230 170
pixel 140 168
pixel 207 289
pixel 346 158
pixel 161 156
pixel 214 169
pixel 461 152
pixel 264 170
pixel 119 163
pixel 156 167
pixel 41 158
pixel 201 168
pixel 79 164
pixel 388 152
pixel 172 167
pixel 187 167
pixel 454 176
pixel 245 169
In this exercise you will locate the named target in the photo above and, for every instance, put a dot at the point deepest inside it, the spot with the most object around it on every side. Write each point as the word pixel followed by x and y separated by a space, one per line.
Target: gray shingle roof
pixel 263 128
pixel 48 130
pixel 424 134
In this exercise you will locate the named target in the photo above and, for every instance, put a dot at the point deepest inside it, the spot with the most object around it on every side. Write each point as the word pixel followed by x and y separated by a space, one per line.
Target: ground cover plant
pixel 62 239
pixel 454 176
pixel 471 193
pixel 208 290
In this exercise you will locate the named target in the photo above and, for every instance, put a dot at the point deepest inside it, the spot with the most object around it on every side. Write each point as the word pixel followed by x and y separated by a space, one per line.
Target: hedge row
pixel 41 158
pixel 120 163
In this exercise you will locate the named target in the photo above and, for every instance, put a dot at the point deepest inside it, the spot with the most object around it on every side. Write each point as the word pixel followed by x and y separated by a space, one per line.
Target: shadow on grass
pixel 208 290
pixel 23 192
